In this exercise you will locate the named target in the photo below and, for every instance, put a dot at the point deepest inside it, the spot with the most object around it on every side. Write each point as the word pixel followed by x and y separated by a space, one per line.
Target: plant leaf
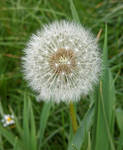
pixel 105 103
pixel 43 121
pixel 119 117
pixel 82 132
pixel 74 12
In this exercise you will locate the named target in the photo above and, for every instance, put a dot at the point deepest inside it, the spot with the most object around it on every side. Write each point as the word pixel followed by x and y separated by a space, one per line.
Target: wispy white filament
pixel 71 80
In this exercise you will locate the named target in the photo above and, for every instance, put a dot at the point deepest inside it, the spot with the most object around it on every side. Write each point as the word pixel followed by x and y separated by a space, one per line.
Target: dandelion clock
pixel 62 62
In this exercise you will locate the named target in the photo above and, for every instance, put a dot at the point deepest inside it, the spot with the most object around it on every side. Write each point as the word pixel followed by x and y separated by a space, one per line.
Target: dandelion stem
pixel 73 117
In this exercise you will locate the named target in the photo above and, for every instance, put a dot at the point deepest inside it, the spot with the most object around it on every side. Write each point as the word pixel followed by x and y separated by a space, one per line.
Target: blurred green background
pixel 18 20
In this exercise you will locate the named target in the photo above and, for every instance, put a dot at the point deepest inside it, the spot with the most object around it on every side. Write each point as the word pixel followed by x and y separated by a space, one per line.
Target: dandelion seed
pixel 56 64
pixel 63 47
pixel 76 49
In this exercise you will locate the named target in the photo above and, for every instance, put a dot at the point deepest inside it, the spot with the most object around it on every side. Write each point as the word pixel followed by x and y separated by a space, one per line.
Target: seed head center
pixel 63 60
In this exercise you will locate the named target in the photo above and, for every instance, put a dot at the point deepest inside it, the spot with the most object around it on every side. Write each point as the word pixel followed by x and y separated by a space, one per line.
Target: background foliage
pixel 47 126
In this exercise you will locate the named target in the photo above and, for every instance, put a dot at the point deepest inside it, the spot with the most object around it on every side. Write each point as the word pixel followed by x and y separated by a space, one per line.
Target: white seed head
pixel 62 62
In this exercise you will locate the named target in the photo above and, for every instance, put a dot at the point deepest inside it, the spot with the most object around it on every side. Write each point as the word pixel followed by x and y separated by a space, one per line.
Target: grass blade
pixel 43 122
pixel 26 135
pixel 10 137
pixel 89 142
pixel 74 12
pixel 119 117
pixel 105 106
pixel 33 129
pixel 82 132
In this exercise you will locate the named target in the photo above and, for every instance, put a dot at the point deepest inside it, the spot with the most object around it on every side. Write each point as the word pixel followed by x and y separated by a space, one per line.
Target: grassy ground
pixel 48 126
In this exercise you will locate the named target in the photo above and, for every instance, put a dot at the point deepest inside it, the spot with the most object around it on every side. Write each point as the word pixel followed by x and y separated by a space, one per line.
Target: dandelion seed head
pixel 62 62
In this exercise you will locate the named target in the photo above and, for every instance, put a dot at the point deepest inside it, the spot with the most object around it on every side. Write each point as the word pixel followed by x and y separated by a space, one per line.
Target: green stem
pixel 73 117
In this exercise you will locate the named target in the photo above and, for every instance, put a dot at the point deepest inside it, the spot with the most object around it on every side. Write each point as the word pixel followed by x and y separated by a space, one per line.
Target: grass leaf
pixel 105 104
pixel 74 12
pixel 43 122
pixel 119 117
pixel 33 129
pixel 82 132
pixel 26 135
pixel 10 137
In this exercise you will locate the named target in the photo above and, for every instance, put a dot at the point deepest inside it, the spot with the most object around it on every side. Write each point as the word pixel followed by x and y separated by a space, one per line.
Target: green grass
pixel 46 126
